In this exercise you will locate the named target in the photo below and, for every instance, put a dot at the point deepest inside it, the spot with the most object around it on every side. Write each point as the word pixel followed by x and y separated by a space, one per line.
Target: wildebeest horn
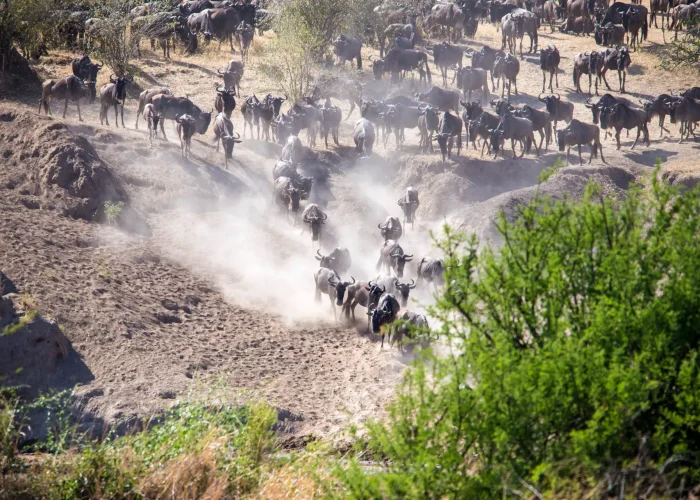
pixel 219 89
pixel 493 101
pixel 370 58
pixel 587 103
pixel 408 258
pixel 379 225
pixel 111 78
pixel 285 98
pixel 220 72
pixel 370 284
pixel 236 135
pixel 558 97
pixel 324 216
pixel 100 65
pixel 539 97
pixel 412 285
pixel 331 282
pixel 353 280
pixel 383 289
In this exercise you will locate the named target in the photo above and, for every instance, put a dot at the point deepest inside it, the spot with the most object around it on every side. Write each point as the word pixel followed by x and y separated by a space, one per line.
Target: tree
pixel 571 358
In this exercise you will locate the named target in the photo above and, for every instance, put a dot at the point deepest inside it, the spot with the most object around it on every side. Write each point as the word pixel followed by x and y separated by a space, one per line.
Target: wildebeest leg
pixel 65 107
pixel 639 131
pixel 335 315
pixel 512 145
pixel 544 80
pixel 580 160
pixel 122 110
pixel 80 116
pixel 556 78
pixel 605 79
pixel 335 136
pixel 568 149
pixel 600 148
pixel 617 138
pixel 515 84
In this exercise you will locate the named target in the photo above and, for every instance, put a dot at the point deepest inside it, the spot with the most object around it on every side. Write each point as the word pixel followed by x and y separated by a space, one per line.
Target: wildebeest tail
pixel 645 29
pixel 528 144
pixel 427 70
pixel 359 61
pixel 574 73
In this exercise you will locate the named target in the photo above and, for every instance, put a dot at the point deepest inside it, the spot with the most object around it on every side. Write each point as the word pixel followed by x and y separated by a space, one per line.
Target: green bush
pixel 570 358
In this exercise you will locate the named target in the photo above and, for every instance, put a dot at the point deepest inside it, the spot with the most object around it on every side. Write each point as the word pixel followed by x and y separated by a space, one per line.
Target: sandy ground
pixel 220 293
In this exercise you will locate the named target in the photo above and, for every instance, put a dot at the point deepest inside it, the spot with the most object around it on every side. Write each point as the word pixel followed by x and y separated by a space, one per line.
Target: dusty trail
pixel 219 288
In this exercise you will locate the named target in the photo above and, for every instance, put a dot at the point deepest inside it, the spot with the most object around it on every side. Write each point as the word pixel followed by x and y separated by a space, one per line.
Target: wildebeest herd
pixel 405 38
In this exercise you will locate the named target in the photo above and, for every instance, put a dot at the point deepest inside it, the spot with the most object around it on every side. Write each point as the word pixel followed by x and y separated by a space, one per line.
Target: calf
pixel 330 116
pixel 449 128
pixel 363 135
pixel 223 131
pixel 427 124
pixel 409 204
pixel 507 68
pixel 186 128
pixel 384 314
pixel 151 118
pixel 392 258
pixel 549 63
pixel 619 116
pixel 357 293
pixel 431 270
pixel 113 94
pixel 146 97
pixel 577 133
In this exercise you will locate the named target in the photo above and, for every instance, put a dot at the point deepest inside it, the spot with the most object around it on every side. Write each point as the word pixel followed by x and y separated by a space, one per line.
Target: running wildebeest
pixel 409 205
pixel 223 132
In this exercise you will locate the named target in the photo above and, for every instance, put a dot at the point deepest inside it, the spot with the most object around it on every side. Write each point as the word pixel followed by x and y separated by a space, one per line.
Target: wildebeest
pixel 393 285
pixel 85 69
pixel 113 94
pixel 326 281
pixel 549 63
pixel 330 118
pixel 684 15
pixel 616 59
pixel 685 110
pixel 171 108
pixel 507 67
pixel 232 76
pixel 384 314
pixel 478 123
pixel 391 229
pixel 541 122
pixel 558 110
pixel 308 117
pixel 286 195
pixel 485 59
pixel 339 260
pixel 223 131
pixel 609 35
pixel 146 97
pixel 620 116
pixel 250 109
pixel 577 133
pixel 431 270
pixel 527 23
pixel 70 88
pixel 185 130
pixel 509 32
pixel 634 20
pixel 341 288
pixel 450 127
pixel 292 149
pixel 605 101
pixel 393 258
pixel 582 67
pixel 549 14
pixel 288 169
pixel 446 56
pixel 357 293
pixel 582 25
pixel 347 49
pixel 661 106
pixel 363 135
pixel 515 129
pixel 244 35
pixel 448 15
pixel 225 101
pixel 399 117
pixel 472 79
pixel 314 216
pixel 399 60
pixel 151 118
pixel 659 7
pixel 409 205
pixel 443 99
pixel 499 9
pixel 410 322
pixel 427 124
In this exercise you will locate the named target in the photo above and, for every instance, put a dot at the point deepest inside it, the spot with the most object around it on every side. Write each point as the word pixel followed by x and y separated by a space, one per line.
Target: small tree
pixel 116 42
pixel 685 51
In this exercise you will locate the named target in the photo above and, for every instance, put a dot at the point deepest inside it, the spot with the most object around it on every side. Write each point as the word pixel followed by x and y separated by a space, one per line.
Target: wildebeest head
pixel 229 141
pixel 340 288
pixel 119 89
pixel 550 102
pixel 495 135
pixel 501 106
pixel 404 290
pixel 623 58
pixel 225 100
pixel 606 114
pixel 400 260
pixel 432 118
pixel 315 219
pixel 340 45
pixel 378 68
pixel 93 69
pixel 595 109
pixel 324 260
pixel 202 122
pixel 472 109
pixel 276 104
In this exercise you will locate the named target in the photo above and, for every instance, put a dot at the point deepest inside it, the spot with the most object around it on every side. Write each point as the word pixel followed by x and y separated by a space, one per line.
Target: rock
pixel 167 395
pixel 170 305
pixel 6 285
pixel 167 318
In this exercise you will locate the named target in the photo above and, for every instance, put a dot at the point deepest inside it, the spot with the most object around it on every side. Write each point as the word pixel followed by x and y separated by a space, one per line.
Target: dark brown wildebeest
pixel 684 16
pixel 409 205
pixel 447 56
pixel 348 49
pixel 443 99
pixel 580 25
pixel 399 60
pixel 314 217
pixel 225 101
pixel 330 118
pixel 70 88
pixel 286 195
pixel 485 59
pixel 450 127
pixel 113 94
pixel 620 116
pixel 549 14
pixel 661 107
pixel 244 35
pixel 85 69
pixel 685 110
pixel 616 59
pixel 250 109
pixel 609 35
pixel 515 129
pixel 582 63
pixel 549 63
pixel 427 124
pixel 146 97
pixel 478 122
pixel 577 133
pixel 527 23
